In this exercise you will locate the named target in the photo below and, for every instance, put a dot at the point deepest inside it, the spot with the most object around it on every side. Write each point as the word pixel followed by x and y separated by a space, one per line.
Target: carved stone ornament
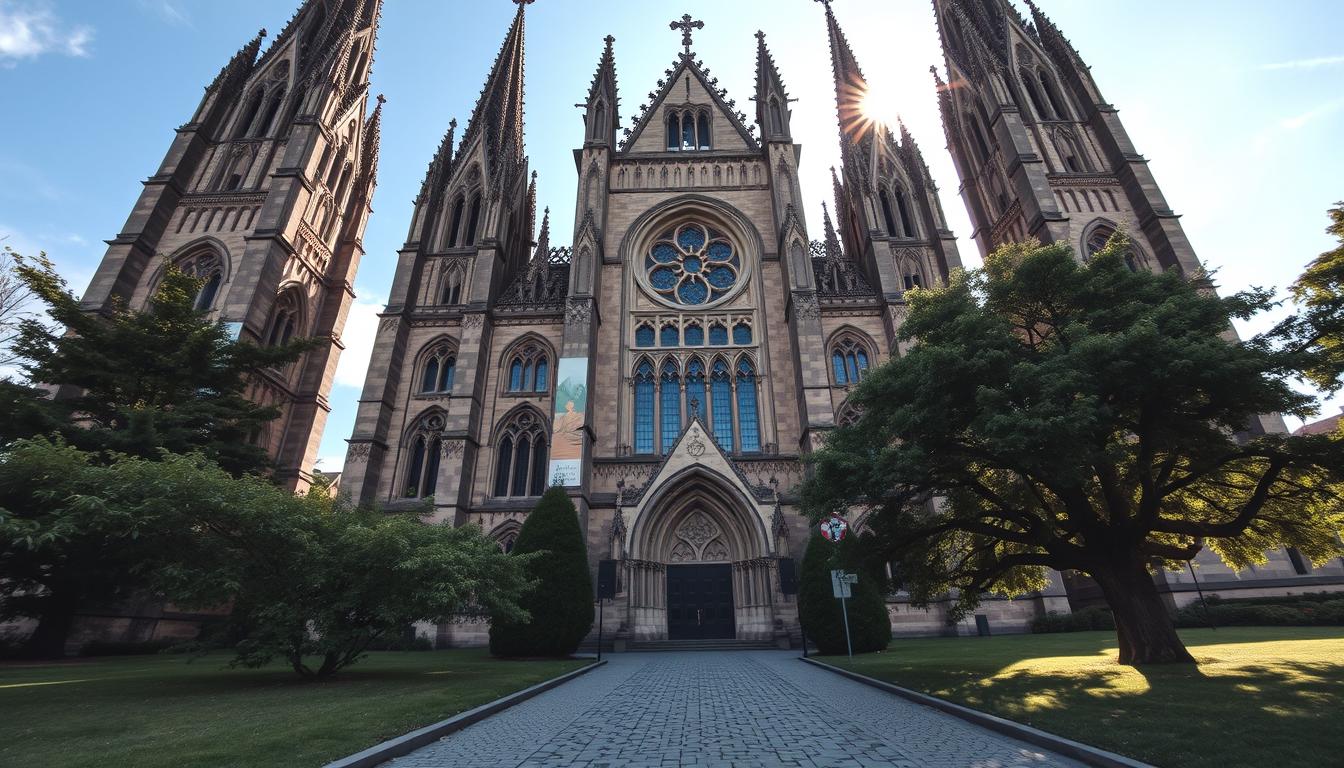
pixel 452 449
pixel 358 453
pixel 578 311
pixel 698 530
pixel 805 305
pixel 696 447
pixel 473 320
pixel 388 324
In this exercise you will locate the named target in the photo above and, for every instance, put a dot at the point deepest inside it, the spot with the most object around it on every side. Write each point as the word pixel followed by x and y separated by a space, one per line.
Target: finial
pixel 452 123
pixel 686 25
pixel 381 99
pixel 262 33
pixel 608 40
pixel 826 3
pixel 521 3
pixel 760 35
pixel 534 178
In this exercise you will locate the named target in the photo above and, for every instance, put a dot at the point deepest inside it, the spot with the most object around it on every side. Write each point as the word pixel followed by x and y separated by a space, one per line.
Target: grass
pixel 152 711
pixel 1260 695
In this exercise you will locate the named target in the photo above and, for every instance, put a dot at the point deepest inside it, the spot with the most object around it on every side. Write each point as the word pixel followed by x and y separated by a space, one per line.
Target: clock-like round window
pixel 693 265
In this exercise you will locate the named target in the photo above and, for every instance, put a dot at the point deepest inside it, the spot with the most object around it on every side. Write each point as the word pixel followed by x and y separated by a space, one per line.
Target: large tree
pixel 1061 415
pixel 1317 330
pixel 136 382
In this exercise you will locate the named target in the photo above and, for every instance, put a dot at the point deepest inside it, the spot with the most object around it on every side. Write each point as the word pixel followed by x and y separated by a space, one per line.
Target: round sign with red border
pixel 834 528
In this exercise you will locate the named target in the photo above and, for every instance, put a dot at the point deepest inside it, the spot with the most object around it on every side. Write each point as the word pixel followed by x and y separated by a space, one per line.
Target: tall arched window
pixel 673 131
pixel 718 334
pixel 529 369
pixel 741 333
pixel 266 127
pixel 979 136
pixel 599 118
pixel 887 216
pixel 452 287
pixel 204 265
pixel 1051 95
pixel 748 424
pixel 284 319
pixel 687 132
pixel 721 388
pixel 669 336
pixel 670 405
pixel 473 219
pixel 776 117
pixel 644 336
pixel 1030 84
pixel 849 361
pixel 903 211
pixel 1099 237
pixel 422 473
pixel 440 369
pixel 520 460
pixel 696 401
pixel 644 387
pixel 456 228
pixel 249 115
pixel 702 128
pixel 695 335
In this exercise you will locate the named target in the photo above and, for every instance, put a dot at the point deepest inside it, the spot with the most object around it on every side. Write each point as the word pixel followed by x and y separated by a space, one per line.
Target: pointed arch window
pixel 748 424
pixel 718 334
pixel 1031 85
pixel 249 115
pixel 702 129
pixel 452 287
pixel 694 334
pixel 696 400
pixel 598 120
pixel 776 117
pixel 529 369
pixel 721 388
pixel 688 131
pixel 1099 237
pixel 673 132
pixel 644 387
pixel 669 405
pixel 422 473
pixel 980 144
pixel 204 265
pixel 742 333
pixel 887 216
pixel 473 219
pixel 644 336
pixel 1051 95
pixel 669 336
pixel 520 459
pixel 903 212
pixel 266 127
pixel 849 361
pixel 284 319
pixel 440 369
pixel 456 228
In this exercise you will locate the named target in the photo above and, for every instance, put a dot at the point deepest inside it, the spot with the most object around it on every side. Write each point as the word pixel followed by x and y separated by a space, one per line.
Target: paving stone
pixel 743 709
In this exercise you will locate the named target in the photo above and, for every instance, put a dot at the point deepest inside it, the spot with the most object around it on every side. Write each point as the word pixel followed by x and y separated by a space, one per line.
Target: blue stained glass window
pixel 670 406
pixel 748 426
pixel 446 374
pixel 838 364
pixel 695 335
pixel 542 377
pixel 663 279
pixel 431 375
pixel 741 333
pixel 720 251
pixel 692 264
pixel 696 402
pixel 852 367
pixel 669 336
pixel 692 293
pixel 691 238
pixel 722 278
pixel 718 334
pixel 664 253
pixel 644 409
pixel 722 389
pixel 516 376
pixel 644 336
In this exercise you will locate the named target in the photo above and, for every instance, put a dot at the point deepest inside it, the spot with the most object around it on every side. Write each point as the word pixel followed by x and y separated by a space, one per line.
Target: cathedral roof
pixel 688 62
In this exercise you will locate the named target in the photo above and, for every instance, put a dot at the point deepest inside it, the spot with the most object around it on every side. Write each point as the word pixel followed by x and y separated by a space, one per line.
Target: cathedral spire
pixel 602 109
pixel 498 115
pixel 772 100
pixel 373 134
pixel 240 65
pixel 850 84
pixel 832 242
pixel 542 255
pixel 1054 41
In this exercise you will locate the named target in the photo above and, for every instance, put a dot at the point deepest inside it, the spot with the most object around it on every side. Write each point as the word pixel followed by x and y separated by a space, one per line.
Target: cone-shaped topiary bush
pixel 561 603
pixel 819 610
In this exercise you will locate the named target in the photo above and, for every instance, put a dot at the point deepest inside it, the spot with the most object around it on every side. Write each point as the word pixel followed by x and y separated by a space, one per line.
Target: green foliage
pixel 820 612
pixel 560 605
pixel 1086 620
pixel 138 382
pixel 1317 330
pixel 1264 612
pixel 1063 415
pixel 306 575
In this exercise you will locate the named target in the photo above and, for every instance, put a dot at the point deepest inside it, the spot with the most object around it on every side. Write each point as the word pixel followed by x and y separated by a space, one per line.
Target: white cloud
pixel 361 328
pixel 1320 61
pixel 29 30
pixel 168 9
pixel 1297 121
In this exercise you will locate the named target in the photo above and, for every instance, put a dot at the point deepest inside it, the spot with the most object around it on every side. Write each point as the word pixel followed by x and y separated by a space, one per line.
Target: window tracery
pixel 426 441
pixel 692 265
pixel 849 361
pixel 529 369
pixel 440 370
pixel 521 456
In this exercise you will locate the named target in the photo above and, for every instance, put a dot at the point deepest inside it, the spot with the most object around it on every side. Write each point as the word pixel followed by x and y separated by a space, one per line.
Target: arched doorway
pixel 699 565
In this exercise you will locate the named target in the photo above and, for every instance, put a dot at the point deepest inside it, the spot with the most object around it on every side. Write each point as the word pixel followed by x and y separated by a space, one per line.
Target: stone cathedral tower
pixel 264 194
pixel 672 366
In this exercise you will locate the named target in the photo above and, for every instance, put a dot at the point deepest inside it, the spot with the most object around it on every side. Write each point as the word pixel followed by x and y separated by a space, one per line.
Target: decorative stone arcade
pixel 699 561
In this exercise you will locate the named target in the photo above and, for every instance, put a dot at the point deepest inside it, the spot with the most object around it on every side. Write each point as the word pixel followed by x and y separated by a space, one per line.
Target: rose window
pixel 693 265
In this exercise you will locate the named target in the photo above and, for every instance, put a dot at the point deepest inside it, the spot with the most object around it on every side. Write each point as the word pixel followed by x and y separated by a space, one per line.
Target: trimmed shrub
pixel 561 602
pixel 1253 613
pixel 819 610
pixel 127 648
pixel 1088 619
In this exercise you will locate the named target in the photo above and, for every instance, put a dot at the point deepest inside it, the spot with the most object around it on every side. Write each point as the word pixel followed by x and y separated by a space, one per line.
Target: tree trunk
pixel 1143 626
pixel 53 627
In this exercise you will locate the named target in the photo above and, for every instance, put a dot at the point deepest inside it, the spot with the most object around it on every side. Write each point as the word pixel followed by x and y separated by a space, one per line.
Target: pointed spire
pixel 1054 40
pixel 373 134
pixel 439 164
pixel 532 205
pixel 770 93
pixel 542 254
pixel 499 110
pixel 850 84
pixel 241 64
pixel 603 101
pixel 833 249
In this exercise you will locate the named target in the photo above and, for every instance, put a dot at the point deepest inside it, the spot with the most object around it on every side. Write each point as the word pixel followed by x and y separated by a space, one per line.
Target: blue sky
pixel 1237 104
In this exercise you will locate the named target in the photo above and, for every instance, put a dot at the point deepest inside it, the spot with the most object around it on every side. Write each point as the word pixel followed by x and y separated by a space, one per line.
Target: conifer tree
pixel 820 611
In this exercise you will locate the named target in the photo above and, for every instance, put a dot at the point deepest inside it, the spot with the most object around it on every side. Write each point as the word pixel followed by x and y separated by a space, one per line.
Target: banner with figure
pixel 571 406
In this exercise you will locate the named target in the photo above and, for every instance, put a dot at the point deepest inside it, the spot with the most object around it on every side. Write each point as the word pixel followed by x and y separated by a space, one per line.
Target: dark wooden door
pixel 700 602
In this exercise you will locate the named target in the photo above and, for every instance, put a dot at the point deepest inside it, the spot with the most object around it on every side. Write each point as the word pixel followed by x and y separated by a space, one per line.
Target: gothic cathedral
pixel 674 365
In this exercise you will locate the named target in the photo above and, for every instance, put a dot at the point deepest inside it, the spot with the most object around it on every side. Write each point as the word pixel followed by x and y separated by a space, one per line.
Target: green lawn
pixel 150 711
pixel 1261 695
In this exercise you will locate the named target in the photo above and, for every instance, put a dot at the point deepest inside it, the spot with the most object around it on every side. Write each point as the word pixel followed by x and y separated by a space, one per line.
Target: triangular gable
pixel 688 84
pixel 697 447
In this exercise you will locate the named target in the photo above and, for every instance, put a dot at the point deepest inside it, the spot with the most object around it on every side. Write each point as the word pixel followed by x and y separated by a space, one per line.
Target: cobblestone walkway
pixel 742 709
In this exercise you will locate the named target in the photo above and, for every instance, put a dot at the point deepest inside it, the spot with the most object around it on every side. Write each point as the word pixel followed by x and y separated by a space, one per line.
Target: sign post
pixel 841 587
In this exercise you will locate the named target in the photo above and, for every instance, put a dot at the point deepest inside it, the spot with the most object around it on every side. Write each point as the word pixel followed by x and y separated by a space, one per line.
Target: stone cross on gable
pixel 686 25
pixel 826 3
pixel 524 2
